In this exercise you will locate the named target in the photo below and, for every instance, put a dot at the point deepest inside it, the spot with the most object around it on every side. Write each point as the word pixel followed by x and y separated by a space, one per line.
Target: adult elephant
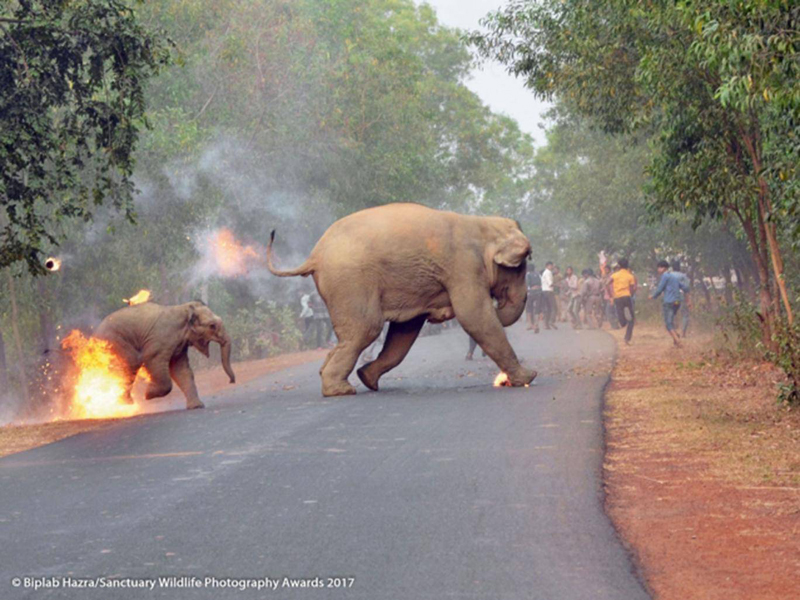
pixel 158 338
pixel 406 263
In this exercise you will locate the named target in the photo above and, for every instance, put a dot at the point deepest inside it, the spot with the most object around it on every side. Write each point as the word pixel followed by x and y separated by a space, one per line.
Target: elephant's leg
pixel 130 378
pixel 181 372
pixel 160 381
pixel 352 339
pixel 399 339
pixel 474 310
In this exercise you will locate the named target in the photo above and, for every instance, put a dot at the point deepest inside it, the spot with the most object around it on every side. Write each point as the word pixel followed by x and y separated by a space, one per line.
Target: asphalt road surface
pixel 438 486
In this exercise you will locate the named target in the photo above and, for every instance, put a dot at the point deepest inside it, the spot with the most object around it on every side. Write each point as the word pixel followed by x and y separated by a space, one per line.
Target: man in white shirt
pixel 548 297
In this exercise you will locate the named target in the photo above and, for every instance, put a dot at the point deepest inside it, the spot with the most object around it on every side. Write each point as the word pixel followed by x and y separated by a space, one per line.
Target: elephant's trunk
pixel 225 353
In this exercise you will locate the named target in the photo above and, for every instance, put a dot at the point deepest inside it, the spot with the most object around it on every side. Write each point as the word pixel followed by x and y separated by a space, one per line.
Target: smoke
pixel 237 196
pixel 9 407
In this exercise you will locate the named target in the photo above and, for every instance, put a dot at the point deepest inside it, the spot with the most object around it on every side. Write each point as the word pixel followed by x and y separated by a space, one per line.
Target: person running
pixel 686 297
pixel 548 298
pixel 591 296
pixel 671 285
pixel 624 287
pixel 533 282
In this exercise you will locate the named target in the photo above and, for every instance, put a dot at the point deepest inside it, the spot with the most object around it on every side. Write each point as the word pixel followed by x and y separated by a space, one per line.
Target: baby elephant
pixel 159 337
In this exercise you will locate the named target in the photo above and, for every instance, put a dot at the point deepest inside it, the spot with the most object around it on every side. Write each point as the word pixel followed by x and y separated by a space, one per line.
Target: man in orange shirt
pixel 624 287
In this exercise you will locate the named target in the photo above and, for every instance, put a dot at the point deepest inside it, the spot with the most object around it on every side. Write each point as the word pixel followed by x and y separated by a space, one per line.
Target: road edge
pixel 638 569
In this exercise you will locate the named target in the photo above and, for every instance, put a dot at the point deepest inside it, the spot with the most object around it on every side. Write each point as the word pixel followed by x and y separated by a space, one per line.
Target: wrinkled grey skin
pixel 406 263
pixel 158 338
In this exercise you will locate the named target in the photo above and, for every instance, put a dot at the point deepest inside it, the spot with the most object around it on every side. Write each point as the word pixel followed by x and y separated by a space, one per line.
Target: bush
pixel 787 357
pixel 741 330
pixel 264 330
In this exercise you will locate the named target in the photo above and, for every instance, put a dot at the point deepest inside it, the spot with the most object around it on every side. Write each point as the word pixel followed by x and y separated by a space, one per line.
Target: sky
pixel 502 92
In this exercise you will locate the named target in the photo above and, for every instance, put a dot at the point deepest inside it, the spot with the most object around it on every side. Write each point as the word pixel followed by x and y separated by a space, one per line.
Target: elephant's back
pixel 390 228
pixel 128 322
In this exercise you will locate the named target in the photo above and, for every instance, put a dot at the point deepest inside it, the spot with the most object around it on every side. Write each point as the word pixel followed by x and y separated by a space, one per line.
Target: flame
pixel 228 256
pixel 100 384
pixel 141 297
pixel 52 264
pixel 501 380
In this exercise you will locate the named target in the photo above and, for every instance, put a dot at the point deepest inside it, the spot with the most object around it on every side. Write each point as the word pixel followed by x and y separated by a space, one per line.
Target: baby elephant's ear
pixel 194 316
pixel 513 250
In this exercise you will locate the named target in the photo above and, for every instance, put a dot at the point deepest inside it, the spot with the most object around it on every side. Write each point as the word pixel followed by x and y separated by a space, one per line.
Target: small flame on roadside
pixel 100 382
pixel 228 256
pixel 502 380
pixel 141 297
pixel 52 264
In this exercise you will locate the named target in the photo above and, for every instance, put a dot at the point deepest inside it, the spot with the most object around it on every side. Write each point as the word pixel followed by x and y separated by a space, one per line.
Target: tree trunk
pixel 766 227
pixel 23 377
pixel 766 305
pixel 726 273
pixel 701 275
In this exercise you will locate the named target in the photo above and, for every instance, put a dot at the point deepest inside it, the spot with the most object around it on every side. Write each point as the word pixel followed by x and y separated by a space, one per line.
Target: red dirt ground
pixel 702 473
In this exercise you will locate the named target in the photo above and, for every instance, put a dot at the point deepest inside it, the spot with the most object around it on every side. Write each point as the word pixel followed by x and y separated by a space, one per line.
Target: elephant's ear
pixel 192 318
pixel 512 250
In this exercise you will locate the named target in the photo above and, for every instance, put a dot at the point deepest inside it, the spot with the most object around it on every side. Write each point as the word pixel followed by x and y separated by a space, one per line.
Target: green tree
pixel 715 85
pixel 72 102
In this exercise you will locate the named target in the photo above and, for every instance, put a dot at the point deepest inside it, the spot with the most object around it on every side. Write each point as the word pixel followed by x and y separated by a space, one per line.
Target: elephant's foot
pixel 339 388
pixel 522 376
pixel 195 404
pixel 368 378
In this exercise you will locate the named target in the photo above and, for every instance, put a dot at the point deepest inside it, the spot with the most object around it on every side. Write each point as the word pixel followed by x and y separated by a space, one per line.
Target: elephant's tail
pixel 305 269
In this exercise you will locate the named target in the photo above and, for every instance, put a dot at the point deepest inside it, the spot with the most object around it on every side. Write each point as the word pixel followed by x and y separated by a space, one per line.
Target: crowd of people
pixel 605 296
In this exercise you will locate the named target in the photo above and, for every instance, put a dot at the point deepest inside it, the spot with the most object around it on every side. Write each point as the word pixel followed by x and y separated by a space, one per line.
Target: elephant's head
pixel 206 327
pixel 506 262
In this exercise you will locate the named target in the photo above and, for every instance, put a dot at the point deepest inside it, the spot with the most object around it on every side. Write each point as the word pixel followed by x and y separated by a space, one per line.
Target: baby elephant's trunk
pixel 225 352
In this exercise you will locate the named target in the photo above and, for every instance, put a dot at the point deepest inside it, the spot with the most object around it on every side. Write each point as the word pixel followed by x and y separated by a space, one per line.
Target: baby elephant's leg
pixel 160 382
pixel 181 372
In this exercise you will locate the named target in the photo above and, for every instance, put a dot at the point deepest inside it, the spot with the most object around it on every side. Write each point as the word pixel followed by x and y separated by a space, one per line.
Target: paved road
pixel 437 487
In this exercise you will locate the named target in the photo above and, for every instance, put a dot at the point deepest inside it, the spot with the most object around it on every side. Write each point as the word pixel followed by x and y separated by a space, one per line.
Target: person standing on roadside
pixel 550 309
pixel 671 285
pixel 307 316
pixel 609 312
pixel 591 296
pixel 533 282
pixel 686 297
pixel 624 287
pixel 558 292
pixel 573 297
pixel 319 319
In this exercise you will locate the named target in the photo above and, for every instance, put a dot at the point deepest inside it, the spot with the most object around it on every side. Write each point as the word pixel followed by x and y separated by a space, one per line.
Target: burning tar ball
pixel 52 264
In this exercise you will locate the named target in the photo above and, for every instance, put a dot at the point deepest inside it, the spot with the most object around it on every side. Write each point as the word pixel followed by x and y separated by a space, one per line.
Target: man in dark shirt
pixel 534 283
